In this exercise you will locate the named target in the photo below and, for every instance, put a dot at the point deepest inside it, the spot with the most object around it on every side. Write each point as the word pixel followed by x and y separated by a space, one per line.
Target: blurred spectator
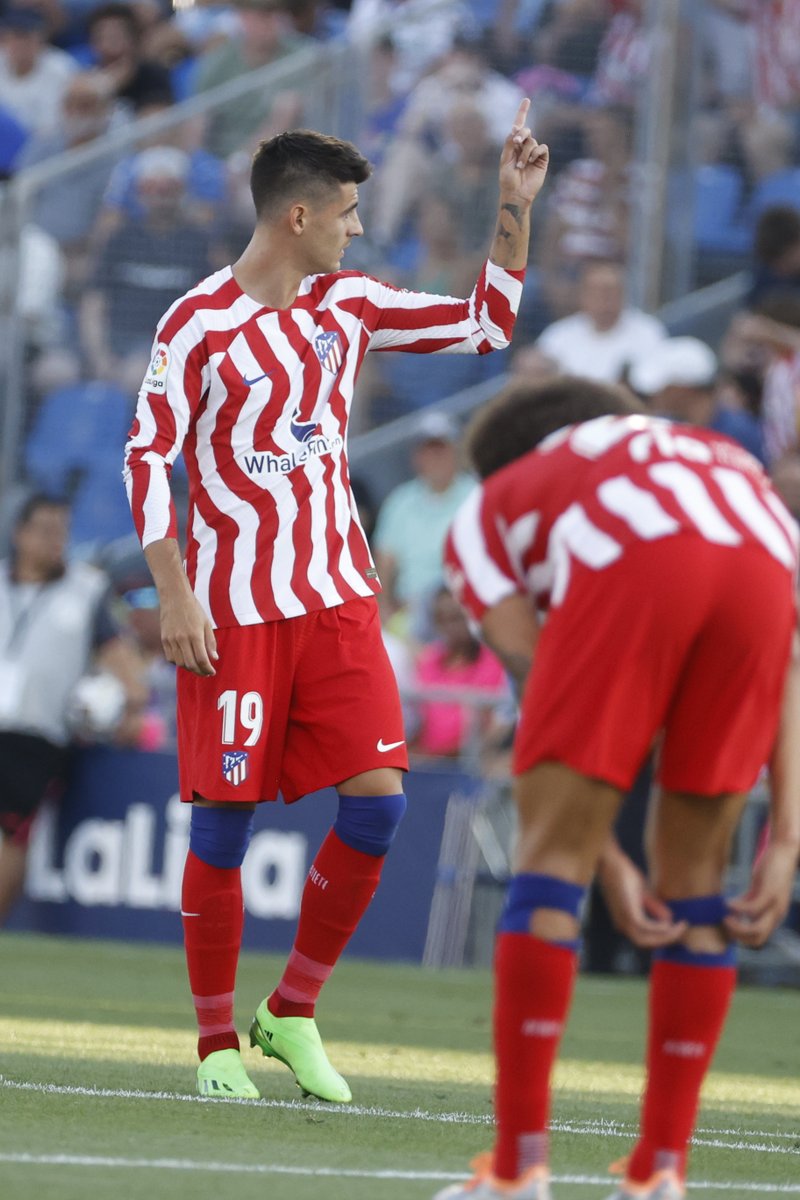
pixel 55 622
pixel 463 74
pixel 33 75
pixel 587 210
pixel 422 32
pixel 776 252
pixel 206 189
pixel 153 725
pixel 145 265
pixel 115 38
pixel 265 35
pixel 678 378
pixel 457 659
pixel 624 56
pixel 413 520
pixel 68 211
pixel 603 337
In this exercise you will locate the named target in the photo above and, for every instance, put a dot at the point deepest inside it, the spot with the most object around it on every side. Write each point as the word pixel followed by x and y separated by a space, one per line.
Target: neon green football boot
pixel 295 1041
pixel 222 1076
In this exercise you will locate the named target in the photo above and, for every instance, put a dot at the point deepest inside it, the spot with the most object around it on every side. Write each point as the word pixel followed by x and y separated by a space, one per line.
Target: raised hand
pixel 523 161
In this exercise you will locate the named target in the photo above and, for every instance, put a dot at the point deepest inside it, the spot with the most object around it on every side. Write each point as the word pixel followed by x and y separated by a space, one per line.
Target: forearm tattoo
pixel 509 223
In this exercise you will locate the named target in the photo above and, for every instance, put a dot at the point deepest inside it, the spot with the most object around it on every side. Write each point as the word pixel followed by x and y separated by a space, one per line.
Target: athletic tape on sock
pixel 220 836
pixel 699 910
pixel 369 823
pixel 529 892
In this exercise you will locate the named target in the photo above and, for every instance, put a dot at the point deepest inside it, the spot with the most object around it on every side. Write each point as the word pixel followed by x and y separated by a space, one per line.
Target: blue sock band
pixel 526 893
pixel 369 823
pixel 682 954
pixel 698 910
pixel 220 836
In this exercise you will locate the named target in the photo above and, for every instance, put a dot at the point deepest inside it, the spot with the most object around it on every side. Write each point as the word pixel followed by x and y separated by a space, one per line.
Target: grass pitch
pixel 97 1085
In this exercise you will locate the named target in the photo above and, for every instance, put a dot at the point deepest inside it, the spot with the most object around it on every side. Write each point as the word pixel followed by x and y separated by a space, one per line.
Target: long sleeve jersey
pixel 258 400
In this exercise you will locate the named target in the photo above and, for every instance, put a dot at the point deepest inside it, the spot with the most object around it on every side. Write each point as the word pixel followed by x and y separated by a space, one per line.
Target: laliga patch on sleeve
pixel 156 378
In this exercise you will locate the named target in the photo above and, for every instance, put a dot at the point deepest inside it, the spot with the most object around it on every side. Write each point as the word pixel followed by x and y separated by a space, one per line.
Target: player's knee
pixel 220 836
pixel 705 942
pixel 369 823
pixel 529 893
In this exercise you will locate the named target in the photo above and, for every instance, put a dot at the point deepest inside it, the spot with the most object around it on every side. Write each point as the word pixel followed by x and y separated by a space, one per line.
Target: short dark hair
pixel 302 163
pixel 114 11
pixel 777 231
pixel 31 505
pixel 522 415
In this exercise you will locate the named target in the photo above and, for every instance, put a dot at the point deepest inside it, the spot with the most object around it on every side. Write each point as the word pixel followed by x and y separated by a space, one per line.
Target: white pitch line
pixel 703 1137
pixel 180 1164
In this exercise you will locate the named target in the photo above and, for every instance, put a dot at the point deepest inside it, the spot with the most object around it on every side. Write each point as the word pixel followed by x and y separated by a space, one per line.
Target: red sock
pixel 340 885
pixel 688 1006
pixel 533 988
pixel 213 918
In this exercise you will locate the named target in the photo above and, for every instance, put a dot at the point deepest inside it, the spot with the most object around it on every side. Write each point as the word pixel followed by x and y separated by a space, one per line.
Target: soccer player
pixel 285 685
pixel 666 564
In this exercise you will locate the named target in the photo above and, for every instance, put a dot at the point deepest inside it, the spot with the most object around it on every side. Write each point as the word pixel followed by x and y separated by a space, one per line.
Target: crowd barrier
pixel 107 862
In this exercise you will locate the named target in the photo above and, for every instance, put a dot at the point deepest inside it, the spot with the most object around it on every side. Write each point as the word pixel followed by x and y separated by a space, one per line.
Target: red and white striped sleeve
pixel 425 324
pixel 173 386
pixel 478 568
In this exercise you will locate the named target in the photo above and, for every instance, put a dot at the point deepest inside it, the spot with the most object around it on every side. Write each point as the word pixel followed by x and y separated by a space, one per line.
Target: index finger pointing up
pixel 522 112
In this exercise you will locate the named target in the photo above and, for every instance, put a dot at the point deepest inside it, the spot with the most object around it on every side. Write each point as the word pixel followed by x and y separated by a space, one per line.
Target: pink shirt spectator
pixel 444 725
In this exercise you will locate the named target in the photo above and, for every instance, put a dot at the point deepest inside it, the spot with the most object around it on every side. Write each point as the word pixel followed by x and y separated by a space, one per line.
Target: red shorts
pixel 679 637
pixel 295 705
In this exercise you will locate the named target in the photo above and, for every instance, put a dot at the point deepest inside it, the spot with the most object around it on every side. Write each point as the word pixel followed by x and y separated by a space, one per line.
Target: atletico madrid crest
pixel 234 766
pixel 329 351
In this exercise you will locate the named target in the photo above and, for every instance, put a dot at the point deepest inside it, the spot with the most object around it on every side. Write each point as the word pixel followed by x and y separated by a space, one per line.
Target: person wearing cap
pixel 412 522
pixel 144 265
pixel 678 379
pixel 33 74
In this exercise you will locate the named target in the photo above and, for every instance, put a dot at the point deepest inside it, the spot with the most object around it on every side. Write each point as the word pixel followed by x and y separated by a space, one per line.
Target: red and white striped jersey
pixel 258 399
pixel 591 490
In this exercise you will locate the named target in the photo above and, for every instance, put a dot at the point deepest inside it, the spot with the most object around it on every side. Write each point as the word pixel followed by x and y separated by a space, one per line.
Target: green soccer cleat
pixel 295 1041
pixel 222 1076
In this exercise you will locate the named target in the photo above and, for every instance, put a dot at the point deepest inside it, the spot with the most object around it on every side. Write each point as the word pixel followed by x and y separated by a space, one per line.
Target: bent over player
pixel 285 683
pixel 666 564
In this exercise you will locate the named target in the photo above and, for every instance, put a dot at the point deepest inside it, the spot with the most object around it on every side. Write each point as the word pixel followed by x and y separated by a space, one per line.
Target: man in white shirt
pixel 603 337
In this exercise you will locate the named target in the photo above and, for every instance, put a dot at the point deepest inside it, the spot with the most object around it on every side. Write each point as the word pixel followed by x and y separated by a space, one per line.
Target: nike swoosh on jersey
pixel 384 746
pixel 251 382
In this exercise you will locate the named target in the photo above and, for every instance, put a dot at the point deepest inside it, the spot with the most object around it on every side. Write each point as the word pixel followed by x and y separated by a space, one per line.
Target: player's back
pixel 590 491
